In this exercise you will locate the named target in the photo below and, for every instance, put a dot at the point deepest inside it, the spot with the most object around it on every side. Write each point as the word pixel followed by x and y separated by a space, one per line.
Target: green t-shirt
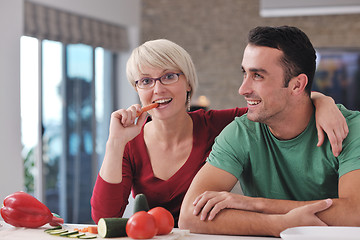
pixel 293 169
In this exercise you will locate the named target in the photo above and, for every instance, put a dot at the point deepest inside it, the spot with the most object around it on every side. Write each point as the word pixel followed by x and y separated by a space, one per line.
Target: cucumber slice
pixel 141 203
pixel 112 227
pixel 76 235
pixel 57 232
pixel 68 233
pixel 54 228
pixel 88 237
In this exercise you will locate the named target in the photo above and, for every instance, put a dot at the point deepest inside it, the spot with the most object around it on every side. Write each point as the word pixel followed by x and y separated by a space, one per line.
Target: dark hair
pixel 299 55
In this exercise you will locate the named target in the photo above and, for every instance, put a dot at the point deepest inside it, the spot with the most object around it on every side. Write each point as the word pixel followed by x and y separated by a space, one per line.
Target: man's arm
pixel 235 221
pixel 345 210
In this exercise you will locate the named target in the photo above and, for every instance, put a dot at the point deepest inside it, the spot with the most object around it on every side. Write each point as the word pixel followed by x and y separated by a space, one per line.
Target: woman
pixel 159 155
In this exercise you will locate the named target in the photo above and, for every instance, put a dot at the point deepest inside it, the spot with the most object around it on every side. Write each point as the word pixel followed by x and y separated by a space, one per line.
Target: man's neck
pixel 293 123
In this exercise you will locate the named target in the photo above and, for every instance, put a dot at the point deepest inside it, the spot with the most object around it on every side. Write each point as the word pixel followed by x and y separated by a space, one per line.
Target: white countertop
pixel 8 232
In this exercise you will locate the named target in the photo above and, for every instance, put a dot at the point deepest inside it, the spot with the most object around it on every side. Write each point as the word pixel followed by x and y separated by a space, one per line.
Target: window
pixel 338 75
pixel 66 101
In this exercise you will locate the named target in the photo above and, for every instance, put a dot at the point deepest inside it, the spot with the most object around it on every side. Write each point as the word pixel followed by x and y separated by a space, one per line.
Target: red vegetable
pixel 23 210
pixel 141 225
pixel 164 220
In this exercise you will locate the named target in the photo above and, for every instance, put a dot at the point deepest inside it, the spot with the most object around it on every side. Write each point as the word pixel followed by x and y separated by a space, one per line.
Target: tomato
pixel 141 225
pixel 164 220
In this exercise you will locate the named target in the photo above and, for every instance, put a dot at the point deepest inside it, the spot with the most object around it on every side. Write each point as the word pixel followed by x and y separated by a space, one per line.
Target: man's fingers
pixel 321 223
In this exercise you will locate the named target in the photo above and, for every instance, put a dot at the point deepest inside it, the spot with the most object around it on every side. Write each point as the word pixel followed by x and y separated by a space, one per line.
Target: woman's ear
pixel 188 89
pixel 299 83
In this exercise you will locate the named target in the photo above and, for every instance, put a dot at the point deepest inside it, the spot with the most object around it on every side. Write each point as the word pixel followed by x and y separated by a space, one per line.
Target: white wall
pixel 124 12
pixel 12 171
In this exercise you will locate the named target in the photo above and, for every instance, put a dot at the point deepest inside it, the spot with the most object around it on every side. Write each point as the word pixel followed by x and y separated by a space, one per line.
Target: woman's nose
pixel 158 87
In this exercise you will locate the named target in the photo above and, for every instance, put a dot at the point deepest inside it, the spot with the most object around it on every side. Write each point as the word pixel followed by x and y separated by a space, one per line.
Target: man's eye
pixel 145 81
pixel 256 75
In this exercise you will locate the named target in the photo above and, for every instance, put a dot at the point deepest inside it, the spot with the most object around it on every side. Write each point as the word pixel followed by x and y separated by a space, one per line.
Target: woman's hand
pixel 211 203
pixel 124 125
pixel 123 128
pixel 329 119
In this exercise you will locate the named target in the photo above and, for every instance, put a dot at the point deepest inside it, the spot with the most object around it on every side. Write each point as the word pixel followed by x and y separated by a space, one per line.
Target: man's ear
pixel 299 83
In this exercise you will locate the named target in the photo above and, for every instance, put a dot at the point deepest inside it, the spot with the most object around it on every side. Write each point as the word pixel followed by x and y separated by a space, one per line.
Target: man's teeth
pixel 163 100
pixel 253 102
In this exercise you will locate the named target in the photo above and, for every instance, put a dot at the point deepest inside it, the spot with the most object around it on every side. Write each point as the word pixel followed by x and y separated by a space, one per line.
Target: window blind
pixel 45 22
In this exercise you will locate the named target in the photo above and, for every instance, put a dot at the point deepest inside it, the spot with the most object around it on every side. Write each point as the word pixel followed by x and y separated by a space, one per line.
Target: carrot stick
pixel 92 229
pixel 147 108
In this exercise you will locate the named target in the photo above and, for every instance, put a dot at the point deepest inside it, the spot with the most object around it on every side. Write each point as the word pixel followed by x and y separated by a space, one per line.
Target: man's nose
pixel 245 89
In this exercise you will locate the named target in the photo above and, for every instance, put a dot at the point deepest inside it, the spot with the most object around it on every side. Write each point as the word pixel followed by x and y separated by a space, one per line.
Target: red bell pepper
pixel 23 210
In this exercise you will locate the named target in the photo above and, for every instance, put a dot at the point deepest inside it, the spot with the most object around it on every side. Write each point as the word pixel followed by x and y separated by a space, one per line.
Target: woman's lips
pixel 163 101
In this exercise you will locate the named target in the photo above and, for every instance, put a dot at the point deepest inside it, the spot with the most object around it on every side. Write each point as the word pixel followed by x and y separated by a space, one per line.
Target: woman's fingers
pixel 321 136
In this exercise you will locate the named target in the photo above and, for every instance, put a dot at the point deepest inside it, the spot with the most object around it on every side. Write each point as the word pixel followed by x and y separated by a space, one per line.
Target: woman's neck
pixel 170 131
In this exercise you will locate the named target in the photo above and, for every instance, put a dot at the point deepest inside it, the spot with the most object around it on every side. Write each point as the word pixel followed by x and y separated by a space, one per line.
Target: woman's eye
pixel 170 76
pixel 146 81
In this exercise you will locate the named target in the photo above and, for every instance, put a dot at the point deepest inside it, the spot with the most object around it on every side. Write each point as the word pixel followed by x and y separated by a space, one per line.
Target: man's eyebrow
pixel 258 70
pixel 255 70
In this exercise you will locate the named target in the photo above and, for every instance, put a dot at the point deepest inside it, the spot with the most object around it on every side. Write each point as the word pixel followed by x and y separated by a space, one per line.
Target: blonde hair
pixel 164 54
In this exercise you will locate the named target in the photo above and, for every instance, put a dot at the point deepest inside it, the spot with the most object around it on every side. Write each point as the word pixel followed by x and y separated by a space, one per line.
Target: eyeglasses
pixel 147 82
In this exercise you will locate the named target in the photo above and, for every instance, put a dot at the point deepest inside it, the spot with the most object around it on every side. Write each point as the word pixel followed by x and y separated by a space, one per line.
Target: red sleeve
pixel 110 200
pixel 106 200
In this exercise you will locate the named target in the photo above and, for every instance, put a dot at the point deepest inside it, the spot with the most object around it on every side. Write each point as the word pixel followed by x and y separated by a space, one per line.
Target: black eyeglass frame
pixel 158 79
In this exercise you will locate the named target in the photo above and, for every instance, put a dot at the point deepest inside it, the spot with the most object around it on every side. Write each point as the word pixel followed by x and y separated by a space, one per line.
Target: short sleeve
pixel 227 152
pixel 349 158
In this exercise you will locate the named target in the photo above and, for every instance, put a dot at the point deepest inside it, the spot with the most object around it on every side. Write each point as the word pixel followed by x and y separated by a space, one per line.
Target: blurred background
pixel 62 73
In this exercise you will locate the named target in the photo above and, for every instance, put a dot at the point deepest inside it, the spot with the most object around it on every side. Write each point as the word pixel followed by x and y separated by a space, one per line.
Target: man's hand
pixel 305 215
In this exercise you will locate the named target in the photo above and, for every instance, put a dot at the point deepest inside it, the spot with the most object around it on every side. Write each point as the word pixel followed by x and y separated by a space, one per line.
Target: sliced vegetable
pixel 57 232
pixel 93 229
pixel 71 234
pixel 85 229
pixel 112 227
pixel 54 228
pixel 141 203
pixel 88 237
pixel 76 235
pixel 66 234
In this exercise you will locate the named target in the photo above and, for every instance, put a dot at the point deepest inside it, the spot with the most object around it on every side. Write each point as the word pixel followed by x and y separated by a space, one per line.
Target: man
pixel 272 151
